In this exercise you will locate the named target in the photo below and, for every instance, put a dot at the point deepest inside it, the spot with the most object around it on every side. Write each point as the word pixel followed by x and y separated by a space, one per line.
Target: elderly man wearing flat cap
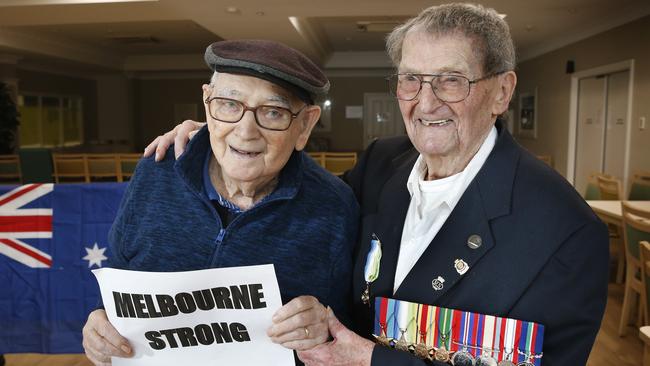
pixel 251 195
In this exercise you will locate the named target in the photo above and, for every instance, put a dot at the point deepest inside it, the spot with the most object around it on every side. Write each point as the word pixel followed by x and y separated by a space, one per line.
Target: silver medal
pixel 463 358
pixel 486 360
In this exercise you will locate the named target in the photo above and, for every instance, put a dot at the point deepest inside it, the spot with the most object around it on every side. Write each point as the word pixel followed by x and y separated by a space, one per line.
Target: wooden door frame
pixel 627 65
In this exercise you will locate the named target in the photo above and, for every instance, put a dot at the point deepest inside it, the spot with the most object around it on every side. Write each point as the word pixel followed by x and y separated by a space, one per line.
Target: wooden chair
pixel 609 187
pixel 103 167
pixel 636 228
pixel 10 169
pixel 69 168
pixel 319 157
pixel 547 159
pixel 339 163
pixel 644 334
pixel 592 192
pixel 639 189
pixel 127 164
pixel 644 255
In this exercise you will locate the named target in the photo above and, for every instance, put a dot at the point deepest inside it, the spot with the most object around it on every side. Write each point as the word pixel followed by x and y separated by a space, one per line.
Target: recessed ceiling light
pixel 232 10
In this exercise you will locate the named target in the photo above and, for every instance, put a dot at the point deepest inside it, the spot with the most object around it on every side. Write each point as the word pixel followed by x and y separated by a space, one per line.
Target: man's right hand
pixel 102 341
pixel 179 136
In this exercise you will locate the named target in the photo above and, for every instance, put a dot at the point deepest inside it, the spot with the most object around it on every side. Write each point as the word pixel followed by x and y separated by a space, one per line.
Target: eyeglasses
pixel 448 88
pixel 269 117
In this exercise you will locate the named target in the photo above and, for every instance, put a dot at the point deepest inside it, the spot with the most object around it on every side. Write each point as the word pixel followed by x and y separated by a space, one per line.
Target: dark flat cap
pixel 271 61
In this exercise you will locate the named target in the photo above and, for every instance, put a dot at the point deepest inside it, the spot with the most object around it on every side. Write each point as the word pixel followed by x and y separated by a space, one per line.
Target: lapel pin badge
pixel 461 266
pixel 437 283
pixel 474 241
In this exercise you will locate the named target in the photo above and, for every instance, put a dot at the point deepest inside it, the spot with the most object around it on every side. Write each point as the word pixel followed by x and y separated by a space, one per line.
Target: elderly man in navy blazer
pixel 459 216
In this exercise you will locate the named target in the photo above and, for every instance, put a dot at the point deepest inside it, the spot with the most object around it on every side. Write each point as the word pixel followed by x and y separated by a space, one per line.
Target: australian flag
pixel 51 236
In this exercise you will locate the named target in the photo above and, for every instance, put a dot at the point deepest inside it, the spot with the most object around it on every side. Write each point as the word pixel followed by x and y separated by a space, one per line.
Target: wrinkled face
pixel 468 121
pixel 245 151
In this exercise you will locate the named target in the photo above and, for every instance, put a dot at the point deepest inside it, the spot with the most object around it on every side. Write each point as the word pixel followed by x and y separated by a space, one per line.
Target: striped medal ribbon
pixel 530 341
pixel 371 270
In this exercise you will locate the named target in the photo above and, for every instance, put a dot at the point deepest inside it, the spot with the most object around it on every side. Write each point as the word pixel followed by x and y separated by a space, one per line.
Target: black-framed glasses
pixel 269 117
pixel 450 88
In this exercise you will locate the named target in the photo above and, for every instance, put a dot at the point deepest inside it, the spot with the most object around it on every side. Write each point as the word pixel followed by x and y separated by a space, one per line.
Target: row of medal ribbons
pixel 457 337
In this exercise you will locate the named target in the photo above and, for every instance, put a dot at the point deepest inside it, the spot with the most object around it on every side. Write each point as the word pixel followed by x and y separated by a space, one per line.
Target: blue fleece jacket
pixel 306 227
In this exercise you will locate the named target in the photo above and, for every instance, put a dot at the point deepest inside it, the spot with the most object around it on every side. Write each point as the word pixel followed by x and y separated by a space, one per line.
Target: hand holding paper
pixel 300 324
pixel 102 341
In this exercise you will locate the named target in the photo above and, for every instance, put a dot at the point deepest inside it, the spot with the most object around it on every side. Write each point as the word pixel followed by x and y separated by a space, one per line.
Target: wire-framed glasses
pixel 269 117
pixel 450 88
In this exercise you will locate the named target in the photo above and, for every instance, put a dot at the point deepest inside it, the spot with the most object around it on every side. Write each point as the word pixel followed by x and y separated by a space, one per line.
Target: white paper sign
pixel 208 317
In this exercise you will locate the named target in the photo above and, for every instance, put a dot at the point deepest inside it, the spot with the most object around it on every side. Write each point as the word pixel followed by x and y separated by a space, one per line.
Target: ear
pixel 207 91
pixel 311 114
pixel 505 88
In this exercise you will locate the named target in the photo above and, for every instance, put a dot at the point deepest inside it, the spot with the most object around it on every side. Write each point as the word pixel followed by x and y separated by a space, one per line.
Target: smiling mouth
pixel 242 153
pixel 437 122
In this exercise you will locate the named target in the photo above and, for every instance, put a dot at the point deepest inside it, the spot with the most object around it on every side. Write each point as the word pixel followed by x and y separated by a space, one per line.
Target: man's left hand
pixel 347 348
pixel 300 324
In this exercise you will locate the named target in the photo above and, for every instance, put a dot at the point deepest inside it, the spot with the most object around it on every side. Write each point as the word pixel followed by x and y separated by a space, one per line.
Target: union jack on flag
pixel 17 222
pixel 51 235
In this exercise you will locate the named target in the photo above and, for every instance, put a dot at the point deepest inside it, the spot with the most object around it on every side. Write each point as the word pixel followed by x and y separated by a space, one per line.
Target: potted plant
pixel 8 121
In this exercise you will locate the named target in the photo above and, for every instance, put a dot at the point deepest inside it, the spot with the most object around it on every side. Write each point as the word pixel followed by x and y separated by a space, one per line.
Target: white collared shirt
pixel 431 204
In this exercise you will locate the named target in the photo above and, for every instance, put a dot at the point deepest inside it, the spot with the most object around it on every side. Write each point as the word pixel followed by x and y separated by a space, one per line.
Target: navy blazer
pixel 544 254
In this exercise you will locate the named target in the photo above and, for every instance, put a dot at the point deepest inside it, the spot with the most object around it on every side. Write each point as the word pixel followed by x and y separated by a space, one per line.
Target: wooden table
pixel 611 212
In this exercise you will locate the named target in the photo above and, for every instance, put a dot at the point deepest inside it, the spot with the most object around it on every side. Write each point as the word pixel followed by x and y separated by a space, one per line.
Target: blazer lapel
pixel 486 198
pixel 438 262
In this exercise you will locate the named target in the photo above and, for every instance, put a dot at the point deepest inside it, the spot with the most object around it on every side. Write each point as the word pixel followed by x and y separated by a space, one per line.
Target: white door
pixel 602 119
pixel 381 117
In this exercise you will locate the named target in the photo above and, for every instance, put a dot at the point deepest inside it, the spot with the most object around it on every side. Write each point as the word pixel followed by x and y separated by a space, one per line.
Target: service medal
pixel 422 351
pixel 486 360
pixel 463 358
pixel 442 354
pixel 401 344
pixel 506 363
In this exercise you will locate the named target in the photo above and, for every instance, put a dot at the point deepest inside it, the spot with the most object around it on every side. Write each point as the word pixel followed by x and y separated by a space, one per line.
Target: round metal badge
pixel 486 360
pixel 442 354
pixel 463 358
pixel 506 363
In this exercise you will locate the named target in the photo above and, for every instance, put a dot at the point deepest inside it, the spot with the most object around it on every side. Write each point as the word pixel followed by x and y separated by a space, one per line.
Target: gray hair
pixel 484 26
pixel 213 79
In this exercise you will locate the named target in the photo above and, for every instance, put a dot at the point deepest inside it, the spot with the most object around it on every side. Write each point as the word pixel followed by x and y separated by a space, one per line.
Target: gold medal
pixel 381 339
pixel 442 354
pixel 422 351
pixel 401 343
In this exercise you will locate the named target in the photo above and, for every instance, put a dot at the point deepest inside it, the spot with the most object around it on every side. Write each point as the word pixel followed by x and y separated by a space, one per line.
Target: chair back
pixel 592 192
pixel 36 165
pixel 547 159
pixel 10 169
pixel 69 168
pixel 339 163
pixel 644 254
pixel 103 167
pixel 319 157
pixel 636 228
pixel 640 189
pixel 128 162
pixel 609 187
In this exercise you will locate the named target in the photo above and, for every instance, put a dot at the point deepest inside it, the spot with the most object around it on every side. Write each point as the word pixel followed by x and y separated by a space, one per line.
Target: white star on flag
pixel 95 256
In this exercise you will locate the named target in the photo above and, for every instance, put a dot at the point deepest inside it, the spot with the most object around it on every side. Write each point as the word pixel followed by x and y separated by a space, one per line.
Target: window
pixel 50 120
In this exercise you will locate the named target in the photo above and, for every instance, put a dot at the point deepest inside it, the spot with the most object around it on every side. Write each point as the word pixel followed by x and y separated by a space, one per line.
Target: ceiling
pixel 159 35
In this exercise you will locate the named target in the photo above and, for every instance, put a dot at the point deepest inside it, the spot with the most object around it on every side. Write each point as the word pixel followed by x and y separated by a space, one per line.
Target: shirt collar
pixel 212 193
pixel 461 179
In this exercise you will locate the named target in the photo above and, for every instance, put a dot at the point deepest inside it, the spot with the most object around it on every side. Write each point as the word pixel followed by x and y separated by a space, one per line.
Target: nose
pixel 247 127
pixel 428 101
